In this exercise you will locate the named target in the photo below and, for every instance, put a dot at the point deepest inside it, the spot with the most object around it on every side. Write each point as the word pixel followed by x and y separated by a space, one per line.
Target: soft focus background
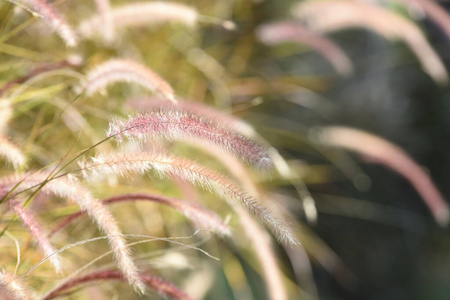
pixel 373 237
pixel 383 232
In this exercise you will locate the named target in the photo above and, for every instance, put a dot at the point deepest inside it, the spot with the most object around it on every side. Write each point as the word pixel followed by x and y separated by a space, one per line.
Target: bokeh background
pixel 382 232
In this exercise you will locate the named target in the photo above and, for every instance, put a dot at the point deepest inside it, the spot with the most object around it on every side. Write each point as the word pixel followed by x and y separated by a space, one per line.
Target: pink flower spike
pixel 38 235
pixel 160 285
pixel 156 103
pixel 257 236
pixel 12 289
pixel 104 12
pixel 178 125
pixel 6 112
pixel 52 16
pixel 12 153
pixel 121 164
pixel 150 14
pixel 125 70
pixel 71 189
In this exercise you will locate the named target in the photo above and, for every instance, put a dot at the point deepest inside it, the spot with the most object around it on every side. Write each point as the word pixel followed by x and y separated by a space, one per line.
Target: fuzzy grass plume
pixel 126 70
pixel 179 125
pixel 12 289
pixel 6 112
pixel 151 14
pixel 70 189
pixel 157 103
pixel 122 164
pixel 161 286
pixel 36 232
pixel 54 18
pixel 104 13
pixel 256 235
pixel 12 153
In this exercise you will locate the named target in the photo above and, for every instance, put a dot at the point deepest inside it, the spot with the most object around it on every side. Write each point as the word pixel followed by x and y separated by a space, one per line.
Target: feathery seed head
pixel 37 233
pixel 164 165
pixel 178 125
pixel 150 14
pixel 160 285
pixel 104 13
pixel 52 16
pixel 12 153
pixel 11 288
pixel 126 70
pixel 5 114
pixel 196 108
pixel 66 188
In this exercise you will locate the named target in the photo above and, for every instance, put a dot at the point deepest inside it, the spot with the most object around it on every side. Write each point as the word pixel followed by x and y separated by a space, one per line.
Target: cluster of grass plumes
pixel 80 195
pixel 83 107
pixel 42 141
pixel 140 162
